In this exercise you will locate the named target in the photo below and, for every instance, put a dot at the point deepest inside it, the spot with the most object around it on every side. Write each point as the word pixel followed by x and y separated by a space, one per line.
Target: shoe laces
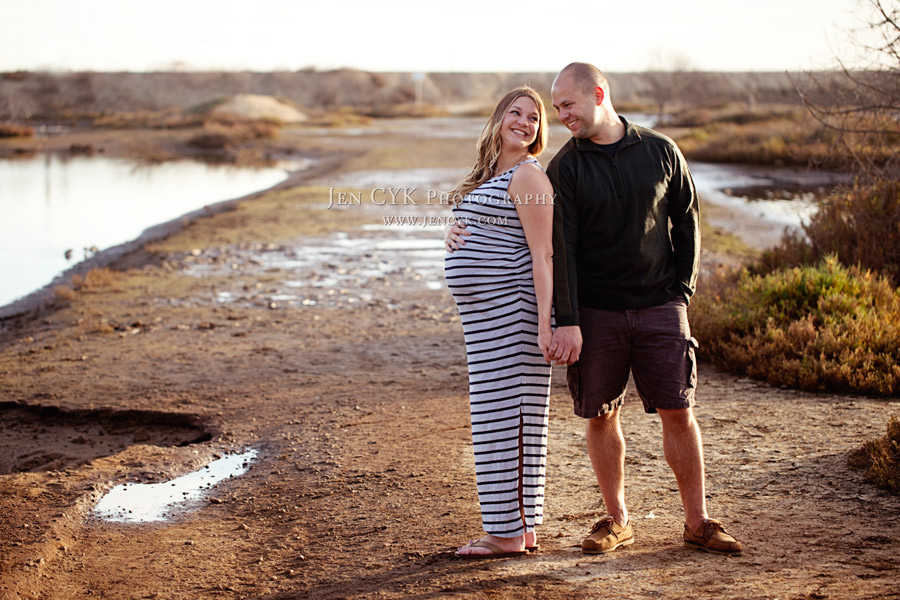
pixel 605 522
pixel 710 527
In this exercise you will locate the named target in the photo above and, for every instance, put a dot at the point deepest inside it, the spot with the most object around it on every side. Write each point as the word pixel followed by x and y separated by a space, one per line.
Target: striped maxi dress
pixel 491 280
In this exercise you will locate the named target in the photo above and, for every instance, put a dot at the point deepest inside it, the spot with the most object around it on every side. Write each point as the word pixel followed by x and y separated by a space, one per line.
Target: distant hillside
pixel 34 95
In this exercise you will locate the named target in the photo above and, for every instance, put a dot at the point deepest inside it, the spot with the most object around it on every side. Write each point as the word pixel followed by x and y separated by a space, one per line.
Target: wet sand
pixel 325 340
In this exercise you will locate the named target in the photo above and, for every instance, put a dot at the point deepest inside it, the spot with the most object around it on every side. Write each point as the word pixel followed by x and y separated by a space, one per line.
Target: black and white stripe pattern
pixel 509 382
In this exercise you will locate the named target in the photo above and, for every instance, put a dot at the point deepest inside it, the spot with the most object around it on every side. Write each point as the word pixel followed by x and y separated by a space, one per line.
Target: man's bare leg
pixel 683 448
pixel 606 446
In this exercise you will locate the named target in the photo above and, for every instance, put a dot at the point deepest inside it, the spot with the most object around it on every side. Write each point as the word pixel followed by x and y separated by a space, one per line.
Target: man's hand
pixel 565 347
pixel 453 236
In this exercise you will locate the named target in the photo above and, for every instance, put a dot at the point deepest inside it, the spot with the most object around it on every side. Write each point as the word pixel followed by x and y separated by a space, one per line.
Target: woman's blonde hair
pixel 488 148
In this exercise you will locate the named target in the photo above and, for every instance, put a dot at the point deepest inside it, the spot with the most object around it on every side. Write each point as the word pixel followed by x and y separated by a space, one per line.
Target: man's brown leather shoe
pixel 712 537
pixel 607 535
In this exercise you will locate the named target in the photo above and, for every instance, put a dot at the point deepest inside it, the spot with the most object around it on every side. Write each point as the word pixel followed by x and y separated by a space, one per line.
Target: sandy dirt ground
pixel 325 340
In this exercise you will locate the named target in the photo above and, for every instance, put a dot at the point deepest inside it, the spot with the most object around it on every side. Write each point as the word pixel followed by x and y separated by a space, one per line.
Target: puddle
pixel 153 502
pixel 334 271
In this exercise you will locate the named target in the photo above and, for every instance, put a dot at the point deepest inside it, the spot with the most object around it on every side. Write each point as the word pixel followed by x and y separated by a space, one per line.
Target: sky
pixel 461 35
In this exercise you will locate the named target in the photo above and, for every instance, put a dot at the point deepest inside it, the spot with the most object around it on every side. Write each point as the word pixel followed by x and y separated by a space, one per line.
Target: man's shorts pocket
pixel 693 346
pixel 574 381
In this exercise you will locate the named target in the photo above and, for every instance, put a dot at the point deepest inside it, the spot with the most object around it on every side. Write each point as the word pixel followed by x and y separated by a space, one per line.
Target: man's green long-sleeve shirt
pixel 613 248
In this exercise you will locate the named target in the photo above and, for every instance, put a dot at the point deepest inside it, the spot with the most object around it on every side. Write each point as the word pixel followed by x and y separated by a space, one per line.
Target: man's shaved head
pixel 586 76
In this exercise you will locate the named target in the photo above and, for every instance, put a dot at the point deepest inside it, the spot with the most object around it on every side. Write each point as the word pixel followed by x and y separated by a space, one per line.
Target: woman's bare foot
pixel 515 544
pixel 531 539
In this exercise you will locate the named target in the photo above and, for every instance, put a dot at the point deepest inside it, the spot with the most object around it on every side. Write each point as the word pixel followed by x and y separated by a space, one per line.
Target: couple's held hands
pixel 453 236
pixel 545 339
pixel 565 345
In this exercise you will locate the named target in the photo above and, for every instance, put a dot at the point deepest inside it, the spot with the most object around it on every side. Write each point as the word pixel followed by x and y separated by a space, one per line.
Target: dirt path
pixel 339 357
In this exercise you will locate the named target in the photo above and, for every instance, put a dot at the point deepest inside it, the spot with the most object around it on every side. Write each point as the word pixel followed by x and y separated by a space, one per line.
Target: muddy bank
pixel 325 340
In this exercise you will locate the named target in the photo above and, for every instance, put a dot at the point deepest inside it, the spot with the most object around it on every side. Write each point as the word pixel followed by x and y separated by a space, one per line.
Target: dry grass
pixel 790 138
pixel 225 134
pixel 343 117
pixel 151 150
pixel 95 279
pixel 148 120
pixel 64 293
pixel 777 136
pixel 880 459
pixel 819 328
pixel 13 130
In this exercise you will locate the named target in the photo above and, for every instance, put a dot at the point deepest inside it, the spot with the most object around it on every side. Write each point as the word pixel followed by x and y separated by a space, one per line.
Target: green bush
pixel 819 328
pixel 880 459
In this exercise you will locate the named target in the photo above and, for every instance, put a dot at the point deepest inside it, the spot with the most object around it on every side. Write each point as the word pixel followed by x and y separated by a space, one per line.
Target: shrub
pixel 64 293
pixel 211 141
pixel 860 225
pixel 819 328
pixel 9 130
pixel 225 133
pixel 776 137
pixel 880 459
pixel 94 279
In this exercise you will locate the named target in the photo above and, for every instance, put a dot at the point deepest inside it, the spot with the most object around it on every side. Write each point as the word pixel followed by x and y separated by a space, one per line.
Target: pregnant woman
pixel 501 277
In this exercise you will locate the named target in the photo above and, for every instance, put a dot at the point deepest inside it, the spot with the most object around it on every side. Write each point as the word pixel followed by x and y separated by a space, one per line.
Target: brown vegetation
pixel 880 458
pixel 778 137
pixel 860 225
pixel 169 119
pixel 12 130
pixel 95 279
pixel 223 134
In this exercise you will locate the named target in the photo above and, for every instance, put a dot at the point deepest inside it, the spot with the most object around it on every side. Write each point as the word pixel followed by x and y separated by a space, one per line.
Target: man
pixel 622 283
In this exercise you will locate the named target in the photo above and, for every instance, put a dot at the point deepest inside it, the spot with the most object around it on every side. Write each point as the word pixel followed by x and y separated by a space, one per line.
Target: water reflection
pixel 50 205
pixel 761 203
pixel 147 502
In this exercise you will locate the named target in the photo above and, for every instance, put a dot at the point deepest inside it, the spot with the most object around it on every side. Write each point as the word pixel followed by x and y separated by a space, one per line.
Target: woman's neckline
pixel 524 160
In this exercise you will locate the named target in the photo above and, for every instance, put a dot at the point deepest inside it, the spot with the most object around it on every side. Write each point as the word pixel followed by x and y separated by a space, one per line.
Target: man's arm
pixel 565 346
pixel 684 212
pixel 565 243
